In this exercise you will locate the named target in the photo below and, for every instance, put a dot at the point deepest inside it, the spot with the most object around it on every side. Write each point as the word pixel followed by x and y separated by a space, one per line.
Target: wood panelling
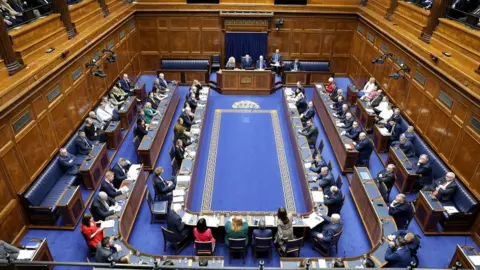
pixel 411 18
pixel 448 130
pixel 25 153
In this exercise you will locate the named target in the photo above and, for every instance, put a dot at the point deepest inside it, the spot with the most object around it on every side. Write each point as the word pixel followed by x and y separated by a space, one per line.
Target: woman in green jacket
pixel 235 229
pixel 149 112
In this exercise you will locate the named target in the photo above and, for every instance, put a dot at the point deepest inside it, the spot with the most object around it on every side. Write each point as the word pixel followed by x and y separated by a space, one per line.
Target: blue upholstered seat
pixel 311 65
pixel 198 64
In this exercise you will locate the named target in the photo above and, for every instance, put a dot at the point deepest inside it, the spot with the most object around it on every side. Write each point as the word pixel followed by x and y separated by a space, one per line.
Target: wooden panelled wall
pixel 194 35
pixel 444 117
pixel 53 112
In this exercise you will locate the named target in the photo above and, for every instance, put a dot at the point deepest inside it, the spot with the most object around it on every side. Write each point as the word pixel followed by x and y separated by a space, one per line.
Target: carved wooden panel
pixel 49 135
pixel 30 147
pixel 12 222
pixel 15 170
pixel 5 194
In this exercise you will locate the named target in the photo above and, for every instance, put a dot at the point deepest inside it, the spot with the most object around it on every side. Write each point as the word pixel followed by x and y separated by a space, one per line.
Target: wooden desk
pixel 140 91
pixel 151 144
pixel 405 176
pixel 347 158
pixel 185 76
pixel 70 206
pixel 352 94
pixel 245 82
pixel 42 253
pixel 114 135
pixel 128 112
pixel 380 140
pixel 181 262
pixel 365 117
pixel 461 255
pixel 94 166
pixel 292 77
pixel 428 212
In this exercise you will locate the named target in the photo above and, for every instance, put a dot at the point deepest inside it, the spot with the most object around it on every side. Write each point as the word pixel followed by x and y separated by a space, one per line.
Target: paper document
pixel 32 246
pixel 212 221
pixel 195 130
pixel 154 123
pixel 108 224
pixel 191 153
pixel 322 263
pixel 292 106
pixel 475 259
pixel 340 124
pixel 25 254
pixel 178 199
pixel 313 220
pixel 317 196
pixel 384 131
pixel 178 192
pixel 183 180
pixel 370 111
pixel 308 165
pixel 124 189
pixel 451 209
pixel 134 171
pixel 269 221
pixel 348 146
pixel 186 217
pixel 317 85
pixel 198 121
pixel 205 88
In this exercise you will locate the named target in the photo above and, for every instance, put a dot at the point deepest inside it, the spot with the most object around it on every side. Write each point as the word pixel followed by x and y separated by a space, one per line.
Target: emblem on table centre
pixel 245 104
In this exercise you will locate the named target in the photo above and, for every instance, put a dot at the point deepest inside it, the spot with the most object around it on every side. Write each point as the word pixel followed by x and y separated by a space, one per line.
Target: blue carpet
pixel 436 251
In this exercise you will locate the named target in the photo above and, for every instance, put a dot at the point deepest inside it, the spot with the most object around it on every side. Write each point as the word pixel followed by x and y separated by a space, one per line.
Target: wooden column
pixel 12 64
pixel 61 7
pixel 437 11
pixel 104 7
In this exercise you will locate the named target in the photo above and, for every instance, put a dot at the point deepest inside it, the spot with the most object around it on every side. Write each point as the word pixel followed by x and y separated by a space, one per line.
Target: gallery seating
pixel 186 70
pixel 467 208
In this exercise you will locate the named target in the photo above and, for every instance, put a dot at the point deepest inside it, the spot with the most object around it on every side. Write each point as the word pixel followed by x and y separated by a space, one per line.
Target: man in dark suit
pixel 7 249
pixel 338 104
pixel 386 176
pixel 444 188
pixel 107 252
pixel 335 94
pixel 311 133
pixel 295 65
pixel 353 132
pixel 187 117
pixel 364 148
pixel 333 200
pixel 424 172
pixel 301 103
pixel 325 179
pixel 401 211
pixel 343 113
pixel 411 242
pixel 164 82
pixel 107 185
pixel 318 164
pixel 102 207
pixel 83 144
pixel 376 100
pixel 68 162
pixel 276 61
pixel 309 114
pixel 325 231
pixel 395 131
pixel 395 117
pixel 120 170
pixel 179 152
pixel 261 63
pixel 261 232
pixel 163 187
pixel 347 122
pixel 192 101
pixel 397 255
pixel 175 223
pixel 247 62
pixel 407 147
pixel 125 84
pixel 92 132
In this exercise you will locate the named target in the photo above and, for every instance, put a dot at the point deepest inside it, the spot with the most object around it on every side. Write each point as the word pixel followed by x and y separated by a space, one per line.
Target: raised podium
pixel 245 82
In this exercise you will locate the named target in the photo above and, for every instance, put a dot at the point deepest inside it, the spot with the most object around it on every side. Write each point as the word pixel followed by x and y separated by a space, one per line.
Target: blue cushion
pixel 44 183
pixel 311 65
pixel 438 168
pixel 185 64
pixel 464 202
pixel 70 145
pixel 57 190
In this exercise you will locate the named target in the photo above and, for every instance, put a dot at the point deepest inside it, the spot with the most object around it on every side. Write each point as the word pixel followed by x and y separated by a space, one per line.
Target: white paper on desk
pixel 292 106
pixel 179 192
pixel 191 153
pixel 178 199
pixel 25 254
pixel 308 165
pixel 124 189
pixel 289 91
pixel 195 130
pixel 317 85
pixel 384 131
pixel 475 259
pixel 108 224
pixel 198 121
pixel 450 209
pixel 186 217
pixel 205 88
pixel 154 123
pixel 269 221
pixel 313 220
pixel 183 180
pixel 134 171
pixel 348 146
pixel 317 196
pixel 340 124
pixel 370 110
pixel 212 221
pixel 322 264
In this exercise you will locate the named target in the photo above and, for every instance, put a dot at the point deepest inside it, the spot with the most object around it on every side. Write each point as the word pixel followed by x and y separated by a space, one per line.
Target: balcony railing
pixel 30 15
pixel 463 11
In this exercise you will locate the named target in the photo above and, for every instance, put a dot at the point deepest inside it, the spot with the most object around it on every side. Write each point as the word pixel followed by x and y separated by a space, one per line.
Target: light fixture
pixel 112 58
pixel 400 73
pixel 381 59
pixel 95 70
pixel 278 24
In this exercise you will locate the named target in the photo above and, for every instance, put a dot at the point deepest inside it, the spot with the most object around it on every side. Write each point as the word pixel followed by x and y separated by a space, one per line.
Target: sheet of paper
pixel 322 264
pixel 269 221
pixel 340 124
pixel 191 153
pixel 179 192
pixel 198 121
pixel 317 85
pixel 186 217
pixel 317 196
pixel 183 180
pixel 212 221
pixel 348 146
pixel 451 209
pixel 124 189
pixel 134 171
pixel 308 165
pixel 384 131
pixel 292 106
pixel 370 111
pixel 108 224
pixel 25 254
pixel 154 122
pixel 313 220
pixel 178 199
pixel 475 259
pixel 195 130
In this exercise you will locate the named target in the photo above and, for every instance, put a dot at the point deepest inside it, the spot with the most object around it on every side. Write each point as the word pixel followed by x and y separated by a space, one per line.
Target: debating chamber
pixel 239 134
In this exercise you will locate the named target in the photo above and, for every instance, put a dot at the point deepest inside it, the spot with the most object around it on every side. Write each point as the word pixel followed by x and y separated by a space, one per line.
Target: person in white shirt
pixel 385 114
pixel 103 114
pixel 108 105
pixel 381 106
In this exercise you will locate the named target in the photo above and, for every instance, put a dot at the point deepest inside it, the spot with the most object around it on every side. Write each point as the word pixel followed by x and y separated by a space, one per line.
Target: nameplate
pixel 245 80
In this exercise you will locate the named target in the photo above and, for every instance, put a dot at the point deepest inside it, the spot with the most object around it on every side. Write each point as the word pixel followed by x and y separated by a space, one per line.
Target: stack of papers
pixel 212 221
pixel 108 224
pixel 269 221
pixel 292 106
pixel 178 199
pixel 370 111
pixel 124 189
pixel 313 220
pixel 183 180
pixel 475 259
pixel 450 209
pixel 340 124
pixel 178 192
pixel 191 153
pixel 308 165
pixel 317 196
pixel 322 264
pixel 115 208
pixel 134 171
pixel 384 131
pixel 25 254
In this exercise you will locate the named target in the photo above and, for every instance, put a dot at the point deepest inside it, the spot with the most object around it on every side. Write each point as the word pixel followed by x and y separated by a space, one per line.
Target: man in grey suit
pixel 7 249
pixel 108 252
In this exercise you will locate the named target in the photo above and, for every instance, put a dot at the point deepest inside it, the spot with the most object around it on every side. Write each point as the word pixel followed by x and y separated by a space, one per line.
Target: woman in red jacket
pixel 93 234
pixel 202 233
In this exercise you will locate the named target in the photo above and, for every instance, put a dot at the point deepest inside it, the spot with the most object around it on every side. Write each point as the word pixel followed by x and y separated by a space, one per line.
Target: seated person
pixel 126 85
pixel 97 121
pixel 247 62
pixel 385 114
pixel 164 82
pixel 159 92
pixel 109 107
pixel 347 122
pixel 141 129
pixel 325 179
pixel 230 63
pixel 187 116
pixel 107 252
pixel 115 101
pixel 397 256
pixel 83 144
pixel 369 97
pixel 202 233
pixel 396 116
pixel 335 94
pixel 261 63
pixel 333 199
pixel 107 186
pixel 381 106
pixel 376 100
pixel 395 131
pixel 343 113
pixel 407 147
pixel 338 104
pixel 236 228
pixel 424 172
pixel 299 89
pixel 261 232
pixel 120 171
pixel 175 223
pixel 301 103
pixel 311 133
pixel 181 133
pixel 411 242
pixel 179 152
pixel 331 86
pixel 444 188
pixel 318 163
pixel 401 211
pixel 325 231
pixel 352 132
pixel 284 227
pixel 295 65
pixel 68 162
pixel 93 234
pixel 118 92
pixel 164 187
pixel 152 99
pixel 102 206
pixel 410 133
pixel 149 112
pixel 192 101
pixel 386 176
pixel 92 132
pixel 364 148
pixel 309 114
pixel 7 249
pixel 369 87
